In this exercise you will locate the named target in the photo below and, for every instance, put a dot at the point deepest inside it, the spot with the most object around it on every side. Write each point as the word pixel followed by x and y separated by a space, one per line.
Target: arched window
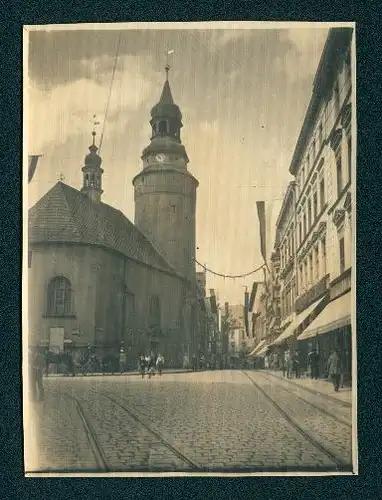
pixel 59 297
pixel 162 127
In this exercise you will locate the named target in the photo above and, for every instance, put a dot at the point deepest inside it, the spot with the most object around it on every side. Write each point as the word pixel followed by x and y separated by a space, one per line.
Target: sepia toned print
pixel 188 249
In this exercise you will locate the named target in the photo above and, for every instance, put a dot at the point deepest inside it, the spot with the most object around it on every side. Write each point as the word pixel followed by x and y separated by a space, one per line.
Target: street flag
pixel 202 305
pixel 261 213
pixel 214 308
pixel 253 295
pixel 33 159
pixel 246 307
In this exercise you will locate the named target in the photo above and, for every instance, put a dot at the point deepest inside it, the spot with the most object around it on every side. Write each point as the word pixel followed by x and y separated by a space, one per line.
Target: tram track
pixel 94 443
pixel 165 442
pixel 313 405
pixel 339 462
pixel 91 436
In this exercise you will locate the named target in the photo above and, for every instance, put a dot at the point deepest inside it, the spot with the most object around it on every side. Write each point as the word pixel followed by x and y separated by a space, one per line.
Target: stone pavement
pixel 218 420
pixel 322 386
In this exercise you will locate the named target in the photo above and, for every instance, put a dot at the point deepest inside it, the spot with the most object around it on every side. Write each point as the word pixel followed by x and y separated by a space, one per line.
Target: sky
pixel 243 93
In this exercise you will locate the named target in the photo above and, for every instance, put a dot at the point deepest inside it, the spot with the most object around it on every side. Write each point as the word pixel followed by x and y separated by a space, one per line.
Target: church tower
pixel 92 173
pixel 165 192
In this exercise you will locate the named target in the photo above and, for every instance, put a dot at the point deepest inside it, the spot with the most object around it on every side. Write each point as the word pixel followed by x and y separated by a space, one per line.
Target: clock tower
pixel 165 191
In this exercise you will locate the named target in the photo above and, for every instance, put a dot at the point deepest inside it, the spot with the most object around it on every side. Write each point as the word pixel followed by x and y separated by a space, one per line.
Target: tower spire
pixel 95 123
pixel 92 171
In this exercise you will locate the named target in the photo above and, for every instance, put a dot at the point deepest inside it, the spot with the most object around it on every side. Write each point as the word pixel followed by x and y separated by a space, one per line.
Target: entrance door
pixel 56 340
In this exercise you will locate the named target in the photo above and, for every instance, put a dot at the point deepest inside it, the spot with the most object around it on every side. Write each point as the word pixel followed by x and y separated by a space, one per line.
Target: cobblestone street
pixel 208 421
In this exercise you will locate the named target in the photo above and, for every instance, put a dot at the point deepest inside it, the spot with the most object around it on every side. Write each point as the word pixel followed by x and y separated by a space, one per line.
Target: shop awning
pixel 262 351
pixel 335 315
pixel 289 331
pixel 257 348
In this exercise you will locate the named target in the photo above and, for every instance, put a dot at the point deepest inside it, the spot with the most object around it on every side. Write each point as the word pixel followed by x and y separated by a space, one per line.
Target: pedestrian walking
pixel 194 363
pixel 296 365
pixel 335 369
pixel 284 363
pixel 142 365
pixel 159 364
pixel 36 368
pixel 313 359
pixel 150 365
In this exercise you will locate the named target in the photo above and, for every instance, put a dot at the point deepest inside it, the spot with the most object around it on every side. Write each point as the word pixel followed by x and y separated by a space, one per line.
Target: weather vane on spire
pixel 95 123
pixel 167 67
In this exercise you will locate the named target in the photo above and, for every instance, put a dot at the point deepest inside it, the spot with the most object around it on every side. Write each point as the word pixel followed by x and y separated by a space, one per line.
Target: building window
pixel 349 156
pixel 336 98
pixel 300 231
pixel 311 273
pixel 317 263
pixel 322 194
pixel 314 149
pixel 155 310
pixel 162 127
pixel 301 278
pixel 59 297
pixel 293 249
pixel 323 253
pixel 340 183
pixel 320 134
pixel 315 210
pixel 342 254
pixel 348 64
pixel 305 229
pixel 309 213
pixel 306 273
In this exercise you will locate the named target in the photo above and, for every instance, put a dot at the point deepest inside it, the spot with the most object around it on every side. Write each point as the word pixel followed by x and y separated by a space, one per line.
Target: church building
pixel 98 282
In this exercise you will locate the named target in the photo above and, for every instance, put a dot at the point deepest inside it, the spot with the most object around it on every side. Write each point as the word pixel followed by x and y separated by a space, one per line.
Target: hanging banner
pixel 253 295
pixel 246 306
pixel 261 214
pixel 32 160
pixel 214 308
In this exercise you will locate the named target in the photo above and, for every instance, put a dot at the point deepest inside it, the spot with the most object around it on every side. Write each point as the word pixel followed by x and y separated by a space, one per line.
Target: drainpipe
pixel 123 325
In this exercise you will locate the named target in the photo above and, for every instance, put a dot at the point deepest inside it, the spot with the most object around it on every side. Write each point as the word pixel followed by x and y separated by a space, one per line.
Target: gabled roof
pixel 65 215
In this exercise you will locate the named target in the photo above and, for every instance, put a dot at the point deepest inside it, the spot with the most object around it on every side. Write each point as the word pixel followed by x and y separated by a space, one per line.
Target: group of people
pixel 290 366
pixel 150 365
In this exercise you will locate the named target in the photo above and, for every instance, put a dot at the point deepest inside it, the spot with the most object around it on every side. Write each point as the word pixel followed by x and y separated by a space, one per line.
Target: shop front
pixel 330 330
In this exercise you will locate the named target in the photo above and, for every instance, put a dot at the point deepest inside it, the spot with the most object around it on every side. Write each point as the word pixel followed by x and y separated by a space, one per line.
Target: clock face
pixel 160 157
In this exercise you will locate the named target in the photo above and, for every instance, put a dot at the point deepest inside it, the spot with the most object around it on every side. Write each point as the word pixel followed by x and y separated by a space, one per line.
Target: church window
pixel 155 310
pixel 162 126
pixel 59 295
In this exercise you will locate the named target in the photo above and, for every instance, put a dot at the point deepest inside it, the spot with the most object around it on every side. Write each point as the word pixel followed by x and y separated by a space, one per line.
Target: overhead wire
pixel 110 90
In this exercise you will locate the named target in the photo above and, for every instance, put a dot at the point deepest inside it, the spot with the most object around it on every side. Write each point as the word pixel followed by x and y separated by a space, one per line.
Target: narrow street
pixel 229 421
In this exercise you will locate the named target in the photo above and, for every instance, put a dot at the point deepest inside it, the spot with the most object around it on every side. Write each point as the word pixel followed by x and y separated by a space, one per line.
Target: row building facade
pixel 314 235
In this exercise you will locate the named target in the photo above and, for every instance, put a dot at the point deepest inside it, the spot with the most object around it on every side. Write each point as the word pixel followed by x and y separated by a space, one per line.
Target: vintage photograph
pixel 189 240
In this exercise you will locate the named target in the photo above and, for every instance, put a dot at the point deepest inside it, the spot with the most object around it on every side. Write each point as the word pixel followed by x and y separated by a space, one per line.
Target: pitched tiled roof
pixel 65 215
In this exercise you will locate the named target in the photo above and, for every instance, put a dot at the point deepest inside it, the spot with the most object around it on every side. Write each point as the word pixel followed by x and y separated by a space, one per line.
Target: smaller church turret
pixel 92 173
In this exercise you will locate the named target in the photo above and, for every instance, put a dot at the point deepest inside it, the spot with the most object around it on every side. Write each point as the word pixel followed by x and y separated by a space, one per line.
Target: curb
pixel 124 374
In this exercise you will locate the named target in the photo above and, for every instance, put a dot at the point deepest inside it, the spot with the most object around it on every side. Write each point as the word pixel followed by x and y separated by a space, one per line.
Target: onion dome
pixel 93 159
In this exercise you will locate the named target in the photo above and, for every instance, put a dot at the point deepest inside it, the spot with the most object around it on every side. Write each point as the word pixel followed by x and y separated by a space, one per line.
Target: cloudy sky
pixel 243 94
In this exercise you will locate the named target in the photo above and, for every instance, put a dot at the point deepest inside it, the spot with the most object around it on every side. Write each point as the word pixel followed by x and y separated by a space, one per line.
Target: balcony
pixel 313 294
